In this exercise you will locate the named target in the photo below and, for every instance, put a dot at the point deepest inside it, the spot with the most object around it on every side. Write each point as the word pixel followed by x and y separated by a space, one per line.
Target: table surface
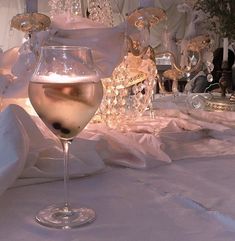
pixel 188 200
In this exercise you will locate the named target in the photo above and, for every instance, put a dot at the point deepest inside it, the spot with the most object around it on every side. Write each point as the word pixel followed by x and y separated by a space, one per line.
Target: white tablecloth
pixel 188 199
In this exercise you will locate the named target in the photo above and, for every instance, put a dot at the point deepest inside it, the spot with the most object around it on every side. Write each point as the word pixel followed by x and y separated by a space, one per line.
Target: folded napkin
pixel 27 151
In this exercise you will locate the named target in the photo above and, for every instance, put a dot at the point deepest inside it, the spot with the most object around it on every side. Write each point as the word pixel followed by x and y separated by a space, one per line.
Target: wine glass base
pixel 61 217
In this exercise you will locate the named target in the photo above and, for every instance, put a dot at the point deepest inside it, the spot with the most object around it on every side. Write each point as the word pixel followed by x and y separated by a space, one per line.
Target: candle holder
pixel 194 49
pixel 30 23
pixel 225 101
pixel 225 82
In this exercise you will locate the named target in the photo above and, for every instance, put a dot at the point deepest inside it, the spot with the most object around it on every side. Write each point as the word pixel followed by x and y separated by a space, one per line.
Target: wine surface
pixel 65 108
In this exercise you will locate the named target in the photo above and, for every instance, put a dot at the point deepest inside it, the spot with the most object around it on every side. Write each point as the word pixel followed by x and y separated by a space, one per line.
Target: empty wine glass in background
pixel 65 91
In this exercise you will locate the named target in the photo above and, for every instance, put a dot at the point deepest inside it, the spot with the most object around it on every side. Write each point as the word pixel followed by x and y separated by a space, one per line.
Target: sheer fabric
pixel 175 23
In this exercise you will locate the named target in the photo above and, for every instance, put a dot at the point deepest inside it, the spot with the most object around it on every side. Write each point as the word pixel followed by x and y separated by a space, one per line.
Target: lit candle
pixel 225 50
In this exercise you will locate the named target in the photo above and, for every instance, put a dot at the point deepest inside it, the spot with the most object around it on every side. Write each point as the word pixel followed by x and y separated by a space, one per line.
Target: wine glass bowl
pixel 65 108
pixel 65 91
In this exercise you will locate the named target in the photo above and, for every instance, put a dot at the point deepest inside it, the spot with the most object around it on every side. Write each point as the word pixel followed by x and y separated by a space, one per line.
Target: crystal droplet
pixel 209 78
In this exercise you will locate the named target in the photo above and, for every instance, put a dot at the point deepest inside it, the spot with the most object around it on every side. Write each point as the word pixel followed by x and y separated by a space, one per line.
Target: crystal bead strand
pixel 73 7
pixel 76 8
pixel 114 102
pixel 100 11
pixel 56 7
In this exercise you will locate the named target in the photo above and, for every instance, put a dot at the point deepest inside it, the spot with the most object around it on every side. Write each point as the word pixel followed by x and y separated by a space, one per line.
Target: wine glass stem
pixel 65 145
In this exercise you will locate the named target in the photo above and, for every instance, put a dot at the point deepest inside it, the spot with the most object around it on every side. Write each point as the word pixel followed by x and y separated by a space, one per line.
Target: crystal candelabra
pixel 30 23
pixel 226 100
pixel 128 92
pixel 194 49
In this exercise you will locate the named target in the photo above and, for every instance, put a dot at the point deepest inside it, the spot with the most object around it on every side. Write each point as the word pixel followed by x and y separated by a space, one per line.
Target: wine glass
pixel 65 91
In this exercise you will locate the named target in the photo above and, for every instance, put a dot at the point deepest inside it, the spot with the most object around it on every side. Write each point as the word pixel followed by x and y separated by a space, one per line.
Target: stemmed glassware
pixel 65 91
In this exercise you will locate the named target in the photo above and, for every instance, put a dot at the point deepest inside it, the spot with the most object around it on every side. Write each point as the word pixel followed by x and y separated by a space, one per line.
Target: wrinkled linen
pixel 172 136
pixel 107 44
pixel 31 152
pixel 189 200
pixel 27 152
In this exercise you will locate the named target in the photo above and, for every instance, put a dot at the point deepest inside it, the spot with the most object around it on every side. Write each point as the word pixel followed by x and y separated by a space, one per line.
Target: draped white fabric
pixel 175 23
